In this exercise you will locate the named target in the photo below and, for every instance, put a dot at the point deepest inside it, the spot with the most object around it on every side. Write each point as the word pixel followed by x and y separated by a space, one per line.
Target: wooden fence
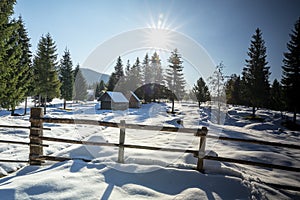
pixel 36 145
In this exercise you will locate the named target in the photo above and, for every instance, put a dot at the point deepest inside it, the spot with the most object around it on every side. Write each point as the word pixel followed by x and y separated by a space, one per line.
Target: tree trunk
pixel 45 105
pixel 253 111
pixel 25 109
pixel 219 113
pixel 173 105
pixel 65 104
pixel 12 112
pixel 199 103
pixel 40 100
pixel 295 116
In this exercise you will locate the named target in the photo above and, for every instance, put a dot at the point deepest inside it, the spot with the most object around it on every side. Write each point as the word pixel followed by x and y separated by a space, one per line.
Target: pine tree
pixel 80 85
pixel 201 91
pixel 10 96
pixel 155 66
pixel 175 78
pixel 47 83
pixel 66 77
pixel 127 69
pixel 99 89
pixel 256 73
pixel 134 78
pixel 117 77
pixel 147 73
pixel 232 90
pixel 291 71
pixel 276 97
pixel 26 79
pixel 6 10
pixel 17 59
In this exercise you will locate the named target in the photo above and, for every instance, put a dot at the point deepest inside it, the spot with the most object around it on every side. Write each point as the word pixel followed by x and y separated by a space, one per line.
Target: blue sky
pixel 222 28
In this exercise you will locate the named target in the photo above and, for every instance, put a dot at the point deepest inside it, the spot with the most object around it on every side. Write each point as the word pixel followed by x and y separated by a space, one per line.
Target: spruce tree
pixel 156 68
pixel 147 73
pixel 46 79
pixel 6 10
pixel 291 70
pixel 117 77
pixel 276 97
pixel 232 90
pixel 175 78
pixel 12 95
pixel 99 89
pixel 66 77
pixel 134 78
pixel 201 91
pixel 127 69
pixel 158 79
pixel 256 73
pixel 17 60
pixel 26 79
pixel 80 85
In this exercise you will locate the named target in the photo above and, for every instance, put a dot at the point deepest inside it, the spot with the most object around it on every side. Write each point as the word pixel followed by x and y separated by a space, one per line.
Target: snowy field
pixel 150 174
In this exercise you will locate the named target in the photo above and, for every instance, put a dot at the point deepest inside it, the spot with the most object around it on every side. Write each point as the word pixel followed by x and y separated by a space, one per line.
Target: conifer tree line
pixel 45 76
pixel 23 74
pixel 252 87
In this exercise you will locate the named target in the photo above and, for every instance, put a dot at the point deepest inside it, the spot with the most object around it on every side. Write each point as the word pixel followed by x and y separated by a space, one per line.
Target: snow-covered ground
pixel 150 174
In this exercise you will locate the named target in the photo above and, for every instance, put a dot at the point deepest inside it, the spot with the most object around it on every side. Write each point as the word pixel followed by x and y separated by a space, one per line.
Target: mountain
pixel 92 76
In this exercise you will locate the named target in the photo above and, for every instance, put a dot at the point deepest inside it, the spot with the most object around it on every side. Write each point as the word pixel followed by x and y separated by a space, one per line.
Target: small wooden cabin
pixel 134 101
pixel 113 101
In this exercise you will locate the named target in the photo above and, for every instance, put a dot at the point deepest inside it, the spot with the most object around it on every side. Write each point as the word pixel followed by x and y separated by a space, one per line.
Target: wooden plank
pixel 14 161
pixel 14 142
pixel 260 142
pixel 22 143
pixel 36 150
pixel 253 163
pixel 201 153
pixel 23 127
pixel 59 159
pixel 121 142
pixel 117 125
pixel 51 139
pixel 160 149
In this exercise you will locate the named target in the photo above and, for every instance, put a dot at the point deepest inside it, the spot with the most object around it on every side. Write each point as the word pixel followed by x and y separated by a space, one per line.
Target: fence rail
pixel 199 132
pixel 23 127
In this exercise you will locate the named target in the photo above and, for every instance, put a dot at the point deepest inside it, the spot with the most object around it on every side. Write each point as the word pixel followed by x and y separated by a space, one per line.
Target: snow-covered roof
pixel 117 97
pixel 136 97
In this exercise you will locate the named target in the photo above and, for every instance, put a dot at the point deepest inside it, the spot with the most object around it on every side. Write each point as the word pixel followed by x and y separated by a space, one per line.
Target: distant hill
pixel 92 76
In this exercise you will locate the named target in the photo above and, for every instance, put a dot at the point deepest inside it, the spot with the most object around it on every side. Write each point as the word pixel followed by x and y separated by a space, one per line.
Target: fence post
pixel 121 142
pixel 201 152
pixel 35 148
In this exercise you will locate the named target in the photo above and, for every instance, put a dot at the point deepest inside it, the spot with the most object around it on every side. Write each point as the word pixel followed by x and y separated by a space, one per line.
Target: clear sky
pixel 222 28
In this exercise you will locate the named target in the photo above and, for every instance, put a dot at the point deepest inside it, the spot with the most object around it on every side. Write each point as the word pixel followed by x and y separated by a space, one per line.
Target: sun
pixel 158 34
pixel 158 38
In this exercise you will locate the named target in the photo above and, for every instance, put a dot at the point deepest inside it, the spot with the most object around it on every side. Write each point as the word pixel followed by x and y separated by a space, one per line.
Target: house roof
pixel 117 97
pixel 132 93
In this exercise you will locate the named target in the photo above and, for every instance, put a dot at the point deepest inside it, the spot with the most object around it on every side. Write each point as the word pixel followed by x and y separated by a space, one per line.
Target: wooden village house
pixel 134 101
pixel 113 101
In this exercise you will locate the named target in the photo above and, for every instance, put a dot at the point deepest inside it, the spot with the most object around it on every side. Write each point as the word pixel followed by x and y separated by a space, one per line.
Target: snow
pixel 117 97
pixel 149 174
